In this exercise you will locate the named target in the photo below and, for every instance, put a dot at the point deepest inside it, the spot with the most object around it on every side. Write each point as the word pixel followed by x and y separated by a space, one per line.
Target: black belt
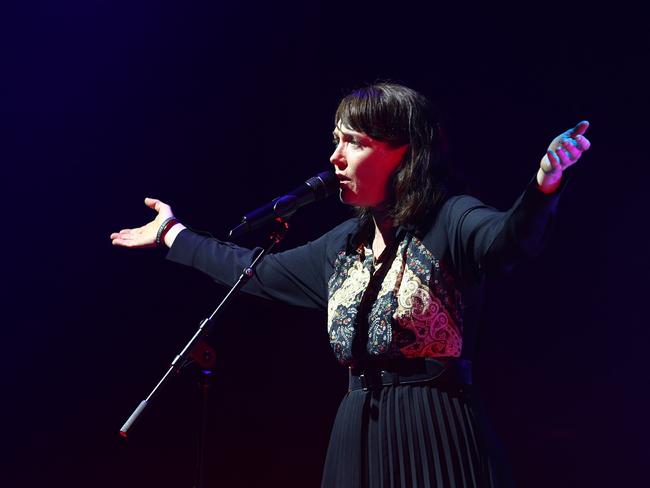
pixel 444 372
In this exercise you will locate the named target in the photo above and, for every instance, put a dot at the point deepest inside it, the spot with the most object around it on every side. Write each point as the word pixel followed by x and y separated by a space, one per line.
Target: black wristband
pixel 167 224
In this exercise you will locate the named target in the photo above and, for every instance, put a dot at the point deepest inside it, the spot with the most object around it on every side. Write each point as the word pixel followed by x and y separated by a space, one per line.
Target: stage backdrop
pixel 216 108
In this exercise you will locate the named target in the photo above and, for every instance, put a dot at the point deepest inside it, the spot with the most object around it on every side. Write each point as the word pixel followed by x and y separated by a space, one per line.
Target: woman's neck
pixel 384 230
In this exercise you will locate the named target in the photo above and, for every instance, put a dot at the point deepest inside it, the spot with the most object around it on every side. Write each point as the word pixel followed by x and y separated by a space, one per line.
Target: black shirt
pixel 426 301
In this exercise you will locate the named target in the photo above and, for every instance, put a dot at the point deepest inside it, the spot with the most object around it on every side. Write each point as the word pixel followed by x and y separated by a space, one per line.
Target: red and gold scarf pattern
pixel 416 313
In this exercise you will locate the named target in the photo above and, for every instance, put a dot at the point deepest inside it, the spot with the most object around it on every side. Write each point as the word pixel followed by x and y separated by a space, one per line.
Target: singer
pixel 401 284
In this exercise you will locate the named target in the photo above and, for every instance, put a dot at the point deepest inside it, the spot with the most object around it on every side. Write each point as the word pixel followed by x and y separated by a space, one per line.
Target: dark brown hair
pixel 399 115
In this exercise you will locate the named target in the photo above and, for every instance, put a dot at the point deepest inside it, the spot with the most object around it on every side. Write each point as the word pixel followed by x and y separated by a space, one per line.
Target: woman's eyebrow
pixel 348 133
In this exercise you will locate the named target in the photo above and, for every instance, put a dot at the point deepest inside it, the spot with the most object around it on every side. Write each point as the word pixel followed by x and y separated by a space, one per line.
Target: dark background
pixel 216 108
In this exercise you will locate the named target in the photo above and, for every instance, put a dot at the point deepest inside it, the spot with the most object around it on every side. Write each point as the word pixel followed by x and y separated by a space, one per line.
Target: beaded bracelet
pixel 167 224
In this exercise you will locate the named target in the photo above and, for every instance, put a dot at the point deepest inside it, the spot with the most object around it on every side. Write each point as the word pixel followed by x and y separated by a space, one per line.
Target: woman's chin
pixel 346 196
pixel 353 200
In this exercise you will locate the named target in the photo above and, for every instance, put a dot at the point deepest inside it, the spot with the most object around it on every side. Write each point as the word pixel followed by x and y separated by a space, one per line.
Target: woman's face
pixel 363 166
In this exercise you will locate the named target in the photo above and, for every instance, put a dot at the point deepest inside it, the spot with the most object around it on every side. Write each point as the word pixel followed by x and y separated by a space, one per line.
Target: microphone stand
pixel 205 326
pixel 204 356
pixel 204 385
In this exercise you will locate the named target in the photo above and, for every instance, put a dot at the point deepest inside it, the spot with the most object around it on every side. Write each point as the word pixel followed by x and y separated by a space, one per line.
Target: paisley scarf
pixel 409 307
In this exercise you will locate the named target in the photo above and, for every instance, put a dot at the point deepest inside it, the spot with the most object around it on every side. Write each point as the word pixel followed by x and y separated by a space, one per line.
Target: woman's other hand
pixel 145 236
pixel 563 152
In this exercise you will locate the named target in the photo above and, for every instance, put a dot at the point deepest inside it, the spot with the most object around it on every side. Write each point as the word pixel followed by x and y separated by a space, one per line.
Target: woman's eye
pixel 351 141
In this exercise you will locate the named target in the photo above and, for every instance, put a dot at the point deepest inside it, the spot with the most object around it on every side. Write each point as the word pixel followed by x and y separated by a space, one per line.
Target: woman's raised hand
pixel 144 236
pixel 563 152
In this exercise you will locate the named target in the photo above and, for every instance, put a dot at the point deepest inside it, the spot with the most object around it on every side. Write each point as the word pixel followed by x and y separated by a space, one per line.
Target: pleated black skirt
pixel 412 436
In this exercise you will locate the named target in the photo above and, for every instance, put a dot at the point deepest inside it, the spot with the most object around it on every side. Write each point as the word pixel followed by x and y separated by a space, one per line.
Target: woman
pixel 401 284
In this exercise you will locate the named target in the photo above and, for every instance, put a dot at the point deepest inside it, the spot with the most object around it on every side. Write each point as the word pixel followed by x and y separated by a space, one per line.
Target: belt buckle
pixel 389 378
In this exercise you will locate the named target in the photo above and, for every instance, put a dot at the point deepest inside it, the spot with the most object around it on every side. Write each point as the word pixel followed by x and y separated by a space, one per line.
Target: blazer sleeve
pixel 296 277
pixel 485 240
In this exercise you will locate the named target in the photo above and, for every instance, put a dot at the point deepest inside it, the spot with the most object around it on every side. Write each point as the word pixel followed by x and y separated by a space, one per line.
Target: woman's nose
pixel 337 158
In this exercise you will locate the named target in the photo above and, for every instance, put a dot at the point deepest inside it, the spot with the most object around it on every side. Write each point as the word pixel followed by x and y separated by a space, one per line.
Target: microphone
pixel 316 188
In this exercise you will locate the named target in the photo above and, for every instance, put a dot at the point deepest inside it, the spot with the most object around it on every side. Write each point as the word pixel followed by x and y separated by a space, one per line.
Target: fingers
pixel 117 241
pixel 131 238
pixel 571 148
pixel 565 158
pixel 125 237
pixel 552 163
pixel 162 208
pixel 580 129
pixel 124 234
pixel 152 203
pixel 140 237
pixel 583 142
pixel 128 242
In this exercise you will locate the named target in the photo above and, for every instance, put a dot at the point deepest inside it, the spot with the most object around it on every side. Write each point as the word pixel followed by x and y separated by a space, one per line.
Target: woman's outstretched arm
pixel 483 239
pixel 297 276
